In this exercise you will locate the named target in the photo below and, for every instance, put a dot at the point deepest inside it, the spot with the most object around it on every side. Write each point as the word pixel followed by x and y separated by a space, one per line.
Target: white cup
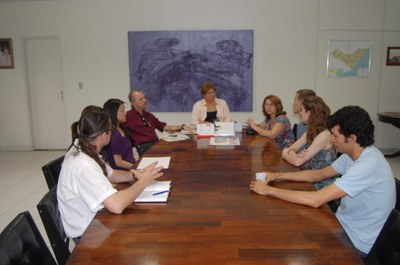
pixel 261 176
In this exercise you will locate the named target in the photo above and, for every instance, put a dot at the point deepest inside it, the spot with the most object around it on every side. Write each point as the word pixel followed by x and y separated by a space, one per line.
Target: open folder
pixel 157 192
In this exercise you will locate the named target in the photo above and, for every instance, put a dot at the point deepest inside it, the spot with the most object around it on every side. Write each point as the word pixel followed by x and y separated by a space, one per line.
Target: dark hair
pixel 319 113
pixel 278 104
pixel 111 106
pixel 354 120
pixel 93 122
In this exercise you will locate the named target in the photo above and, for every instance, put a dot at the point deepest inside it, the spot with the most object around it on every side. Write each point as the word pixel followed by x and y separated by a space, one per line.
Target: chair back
pixel 386 249
pixel 398 194
pixel 48 211
pixel 52 170
pixel 22 243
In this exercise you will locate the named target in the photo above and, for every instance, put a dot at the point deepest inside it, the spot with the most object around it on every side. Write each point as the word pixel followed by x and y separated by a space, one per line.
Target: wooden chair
pixel 48 210
pixel 52 170
pixel 22 243
pixel 386 249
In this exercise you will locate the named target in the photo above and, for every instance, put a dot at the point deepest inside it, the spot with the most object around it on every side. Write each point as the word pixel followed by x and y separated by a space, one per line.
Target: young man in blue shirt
pixel 366 188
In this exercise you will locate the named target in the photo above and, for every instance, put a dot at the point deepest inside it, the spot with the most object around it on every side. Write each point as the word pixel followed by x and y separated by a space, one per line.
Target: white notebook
pixel 157 192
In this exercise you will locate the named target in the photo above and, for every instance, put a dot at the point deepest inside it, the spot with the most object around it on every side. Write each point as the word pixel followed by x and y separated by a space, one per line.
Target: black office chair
pixel 398 194
pixel 386 249
pixel 22 243
pixel 48 210
pixel 52 170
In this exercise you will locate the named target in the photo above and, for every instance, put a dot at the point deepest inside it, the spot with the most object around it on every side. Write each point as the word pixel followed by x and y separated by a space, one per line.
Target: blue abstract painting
pixel 170 66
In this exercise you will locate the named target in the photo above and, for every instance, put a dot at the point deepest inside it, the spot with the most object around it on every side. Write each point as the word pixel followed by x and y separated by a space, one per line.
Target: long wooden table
pixel 213 218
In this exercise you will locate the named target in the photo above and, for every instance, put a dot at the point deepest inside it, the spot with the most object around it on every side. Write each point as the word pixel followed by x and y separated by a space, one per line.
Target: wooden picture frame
pixel 393 56
pixel 6 54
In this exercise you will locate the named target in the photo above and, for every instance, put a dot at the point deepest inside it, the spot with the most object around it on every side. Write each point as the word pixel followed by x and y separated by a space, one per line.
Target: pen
pixel 161 192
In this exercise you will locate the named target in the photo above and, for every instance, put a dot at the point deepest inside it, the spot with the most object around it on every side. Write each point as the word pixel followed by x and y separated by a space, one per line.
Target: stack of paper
pixel 157 192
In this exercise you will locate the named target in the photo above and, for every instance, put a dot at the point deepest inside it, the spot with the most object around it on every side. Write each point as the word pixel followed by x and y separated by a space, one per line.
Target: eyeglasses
pixel 146 122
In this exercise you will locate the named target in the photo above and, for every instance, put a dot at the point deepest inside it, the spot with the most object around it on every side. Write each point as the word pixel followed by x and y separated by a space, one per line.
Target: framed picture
pixel 393 56
pixel 349 58
pixel 171 66
pixel 6 54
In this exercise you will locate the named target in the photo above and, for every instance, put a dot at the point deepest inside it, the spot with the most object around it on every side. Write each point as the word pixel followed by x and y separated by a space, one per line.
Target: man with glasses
pixel 141 124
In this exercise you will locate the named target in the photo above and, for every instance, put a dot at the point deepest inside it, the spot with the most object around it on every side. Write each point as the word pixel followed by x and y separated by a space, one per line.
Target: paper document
pixel 172 137
pixel 225 141
pixel 205 129
pixel 224 129
pixel 157 192
pixel 161 161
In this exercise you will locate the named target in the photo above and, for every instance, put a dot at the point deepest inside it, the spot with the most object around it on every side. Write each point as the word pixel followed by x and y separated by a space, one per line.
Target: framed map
pixel 349 58
pixel 170 66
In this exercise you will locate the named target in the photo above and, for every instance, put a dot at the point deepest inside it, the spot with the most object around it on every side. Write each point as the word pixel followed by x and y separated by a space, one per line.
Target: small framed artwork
pixel 6 54
pixel 393 56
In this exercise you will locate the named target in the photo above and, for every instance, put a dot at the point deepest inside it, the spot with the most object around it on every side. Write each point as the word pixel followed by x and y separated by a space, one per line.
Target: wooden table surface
pixel 213 218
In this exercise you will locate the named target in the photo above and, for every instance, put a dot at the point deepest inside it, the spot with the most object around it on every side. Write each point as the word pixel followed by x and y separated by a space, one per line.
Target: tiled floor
pixel 22 184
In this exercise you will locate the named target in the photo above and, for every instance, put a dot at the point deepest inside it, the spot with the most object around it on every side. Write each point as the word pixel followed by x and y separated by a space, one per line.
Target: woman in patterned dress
pixel 276 125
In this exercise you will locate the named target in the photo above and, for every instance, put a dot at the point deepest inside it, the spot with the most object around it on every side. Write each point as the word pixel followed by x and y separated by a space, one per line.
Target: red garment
pixel 142 127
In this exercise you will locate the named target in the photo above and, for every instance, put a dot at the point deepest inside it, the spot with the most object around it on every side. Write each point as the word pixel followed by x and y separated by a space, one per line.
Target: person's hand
pixel 250 122
pixel 270 176
pixel 188 129
pixel 148 174
pixel 285 150
pixel 259 187
pixel 302 153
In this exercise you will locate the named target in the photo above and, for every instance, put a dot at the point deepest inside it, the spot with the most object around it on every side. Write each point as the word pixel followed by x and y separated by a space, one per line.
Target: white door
pixel 43 64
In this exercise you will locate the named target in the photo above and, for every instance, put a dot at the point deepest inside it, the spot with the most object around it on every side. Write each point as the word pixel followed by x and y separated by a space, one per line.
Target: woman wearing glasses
pixel 119 150
pixel 276 125
pixel 84 186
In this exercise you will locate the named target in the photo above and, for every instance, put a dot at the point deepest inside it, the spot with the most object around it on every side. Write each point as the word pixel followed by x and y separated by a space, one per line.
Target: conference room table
pixel 212 217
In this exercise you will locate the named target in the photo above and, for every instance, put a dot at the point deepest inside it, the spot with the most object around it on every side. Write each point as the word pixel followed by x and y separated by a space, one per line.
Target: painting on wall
pixel 170 66
pixel 6 54
pixel 393 56
pixel 349 58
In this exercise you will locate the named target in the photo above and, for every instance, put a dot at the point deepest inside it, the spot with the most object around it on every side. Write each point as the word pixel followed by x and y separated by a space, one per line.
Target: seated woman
pixel 119 150
pixel 276 125
pixel 84 186
pixel 319 151
pixel 210 108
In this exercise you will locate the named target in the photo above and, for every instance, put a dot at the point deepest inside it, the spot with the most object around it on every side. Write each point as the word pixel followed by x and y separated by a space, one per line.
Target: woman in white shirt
pixel 84 186
pixel 210 108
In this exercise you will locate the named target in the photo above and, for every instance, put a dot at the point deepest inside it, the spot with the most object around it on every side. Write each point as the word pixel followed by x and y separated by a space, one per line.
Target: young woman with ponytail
pixel 85 183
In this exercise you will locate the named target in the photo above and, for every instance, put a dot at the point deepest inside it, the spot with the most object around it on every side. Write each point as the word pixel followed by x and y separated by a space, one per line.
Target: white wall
pixel 290 48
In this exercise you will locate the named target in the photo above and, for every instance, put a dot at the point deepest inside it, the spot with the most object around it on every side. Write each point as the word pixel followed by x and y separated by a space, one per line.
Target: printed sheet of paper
pixel 161 161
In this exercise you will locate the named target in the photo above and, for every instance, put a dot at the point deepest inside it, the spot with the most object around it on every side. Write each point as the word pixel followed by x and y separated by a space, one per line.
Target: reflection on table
pixel 213 218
